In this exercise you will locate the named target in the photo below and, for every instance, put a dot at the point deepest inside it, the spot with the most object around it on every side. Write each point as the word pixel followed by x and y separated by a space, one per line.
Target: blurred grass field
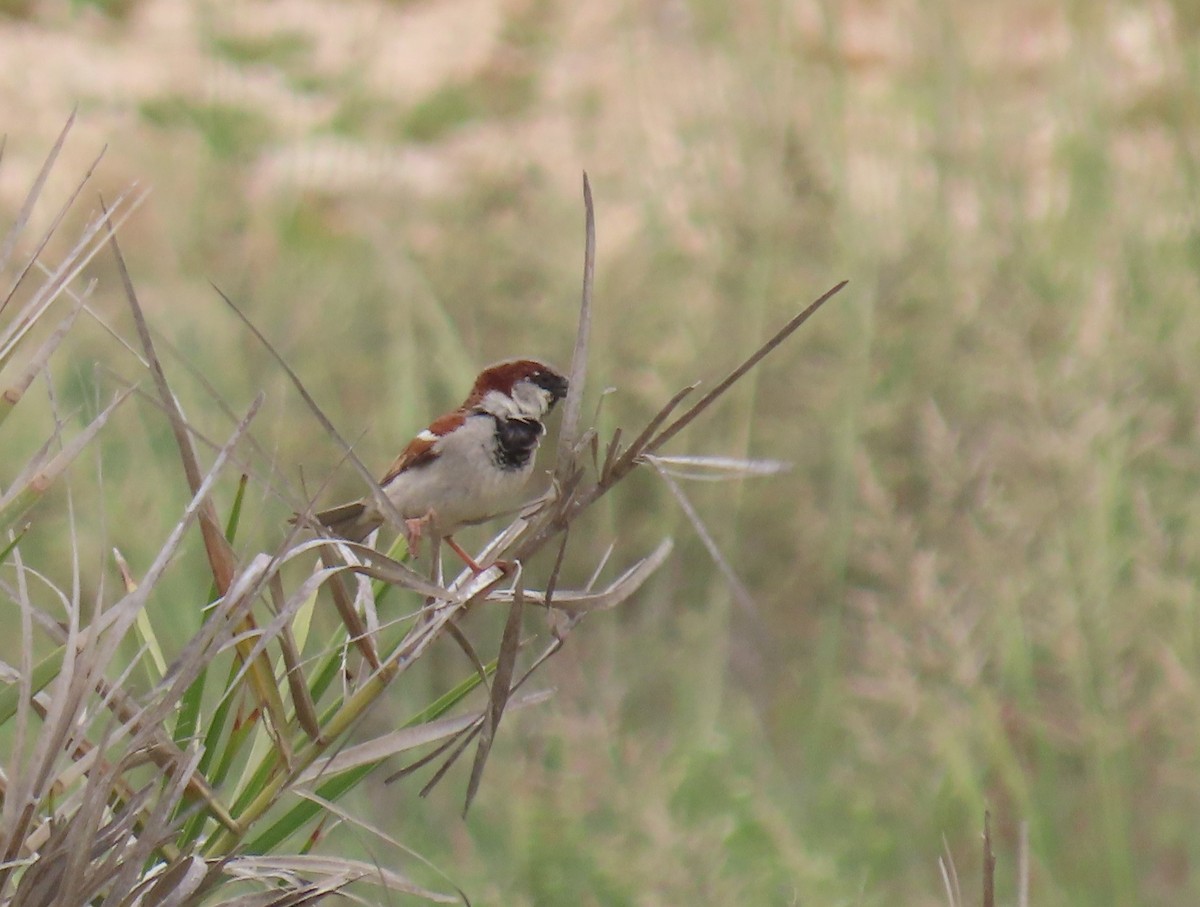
pixel 976 589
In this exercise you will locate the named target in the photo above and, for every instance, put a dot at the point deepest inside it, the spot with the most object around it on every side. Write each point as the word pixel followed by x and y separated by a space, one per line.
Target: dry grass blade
pixel 510 645
pixel 55 876
pixel 59 278
pixel 306 710
pixel 121 614
pixel 345 815
pixel 454 631
pixel 740 593
pixel 17 785
pixel 573 405
pixel 617 592
pixel 367 561
pixel 100 835
pixel 24 492
pixel 290 890
pixel 14 392
pixel 455 753
pixel 628 459
pixel 173 886
pixel 157 827
pixel 37 461
pixel 35 191
pixel 556 570
pixel 406 739
pixel 603 469
pixel 1023 866
pixel 255 868
pixel 163 750
pixel 220 555
pixel 197 374
pixel 458 741
pixel 949 874
pixel 343 603
pixel 716 469
pixel 21 784
pixel 248 585
pixel 729 380
pixel 35 256
pixel 88 655
pixel 381 499
pixel 989 863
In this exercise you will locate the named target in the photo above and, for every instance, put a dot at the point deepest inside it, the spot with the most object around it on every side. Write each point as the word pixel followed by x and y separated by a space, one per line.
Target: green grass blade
pixel 212 751
pixel 189 705
pixel 328 670
pixel 44 673
pixel 8 549
pixel 302 813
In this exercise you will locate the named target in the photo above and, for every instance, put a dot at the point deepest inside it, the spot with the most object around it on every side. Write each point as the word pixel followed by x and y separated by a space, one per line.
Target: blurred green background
pixel 975 590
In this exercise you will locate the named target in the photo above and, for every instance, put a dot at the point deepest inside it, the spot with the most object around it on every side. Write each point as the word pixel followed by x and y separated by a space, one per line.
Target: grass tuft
pixel 142 760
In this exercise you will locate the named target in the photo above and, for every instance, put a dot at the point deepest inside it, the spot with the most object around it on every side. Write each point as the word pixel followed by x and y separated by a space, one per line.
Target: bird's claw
pixel 413 530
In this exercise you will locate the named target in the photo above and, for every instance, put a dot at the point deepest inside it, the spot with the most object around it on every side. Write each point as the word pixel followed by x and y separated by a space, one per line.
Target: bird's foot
pixel 413 530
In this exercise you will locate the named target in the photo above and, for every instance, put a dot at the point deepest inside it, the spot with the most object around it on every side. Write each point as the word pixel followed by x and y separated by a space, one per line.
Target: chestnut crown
pixel 507 377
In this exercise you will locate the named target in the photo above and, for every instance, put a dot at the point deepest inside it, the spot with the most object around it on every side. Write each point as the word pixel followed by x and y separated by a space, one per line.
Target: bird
pixel 469 465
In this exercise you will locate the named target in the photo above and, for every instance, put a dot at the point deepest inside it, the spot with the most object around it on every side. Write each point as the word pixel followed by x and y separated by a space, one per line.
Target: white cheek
pixel 532 400
pixel 500 404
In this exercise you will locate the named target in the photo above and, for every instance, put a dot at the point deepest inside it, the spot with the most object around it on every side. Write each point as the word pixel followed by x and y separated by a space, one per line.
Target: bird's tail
pixel 353 522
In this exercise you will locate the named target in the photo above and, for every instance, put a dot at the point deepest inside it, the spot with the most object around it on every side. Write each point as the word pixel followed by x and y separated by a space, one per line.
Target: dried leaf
pixel 716 469
pixel 614 594
pixel 345 871
pixel 734 376
pixel 510 645
pixel 396 742
pixel 573 405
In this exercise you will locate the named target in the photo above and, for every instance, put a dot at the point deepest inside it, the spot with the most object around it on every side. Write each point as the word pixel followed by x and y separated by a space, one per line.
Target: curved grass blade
pixel 22 496
pixel 220 554
pixel 42 676
pixel 347 769
pixel 189 705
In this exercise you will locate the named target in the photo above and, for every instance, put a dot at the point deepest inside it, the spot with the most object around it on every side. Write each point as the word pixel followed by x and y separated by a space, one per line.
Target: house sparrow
pixel 468 465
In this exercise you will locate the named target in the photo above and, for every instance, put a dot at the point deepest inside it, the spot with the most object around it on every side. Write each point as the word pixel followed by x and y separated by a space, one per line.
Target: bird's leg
pixel 466 558
pixel 413 529
pixel 505 567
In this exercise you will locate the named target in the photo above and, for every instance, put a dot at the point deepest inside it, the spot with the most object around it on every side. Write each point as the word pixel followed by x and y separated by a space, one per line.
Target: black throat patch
pixel 516 440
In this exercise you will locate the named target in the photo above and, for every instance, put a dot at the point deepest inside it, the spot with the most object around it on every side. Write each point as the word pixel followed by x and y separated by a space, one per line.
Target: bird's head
pixel 518 389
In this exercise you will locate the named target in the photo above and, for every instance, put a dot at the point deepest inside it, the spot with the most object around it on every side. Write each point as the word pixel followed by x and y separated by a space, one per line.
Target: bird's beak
pixel 557 386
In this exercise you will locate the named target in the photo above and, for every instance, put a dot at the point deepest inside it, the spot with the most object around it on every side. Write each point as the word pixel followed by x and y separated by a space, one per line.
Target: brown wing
pixel 420 451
